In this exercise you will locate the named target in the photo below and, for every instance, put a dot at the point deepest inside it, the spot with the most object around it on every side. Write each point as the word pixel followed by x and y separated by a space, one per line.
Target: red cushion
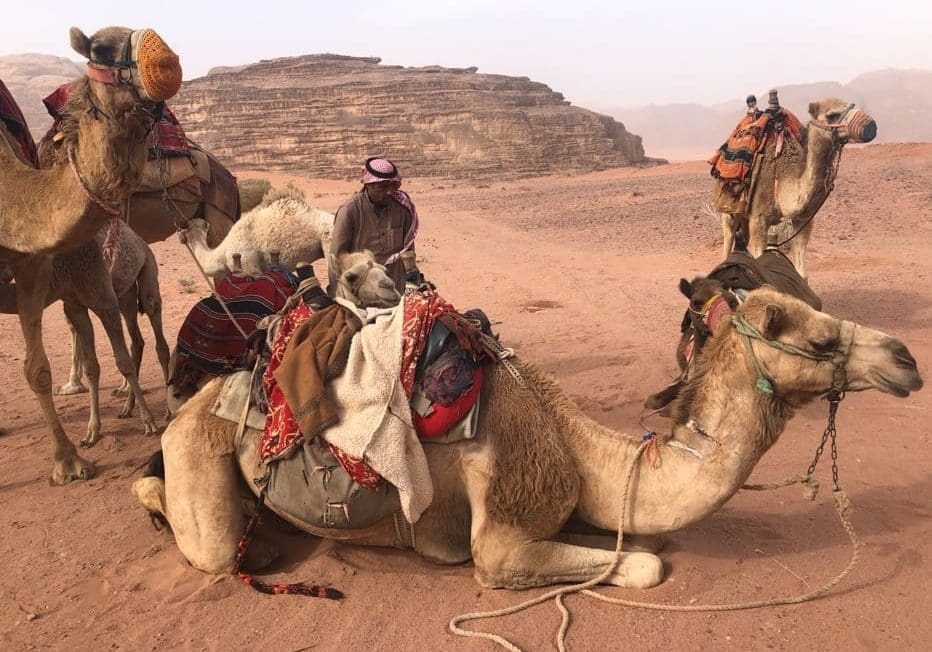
pixel 438 422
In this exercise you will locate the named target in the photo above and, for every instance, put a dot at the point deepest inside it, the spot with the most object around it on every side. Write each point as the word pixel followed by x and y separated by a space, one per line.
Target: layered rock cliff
pixel 324 114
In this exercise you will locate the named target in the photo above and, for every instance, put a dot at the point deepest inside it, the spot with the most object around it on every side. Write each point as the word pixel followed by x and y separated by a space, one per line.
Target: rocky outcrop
pixel 324 114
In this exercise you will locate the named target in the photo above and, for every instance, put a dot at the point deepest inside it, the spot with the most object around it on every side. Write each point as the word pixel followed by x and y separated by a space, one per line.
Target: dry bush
pixel 251 192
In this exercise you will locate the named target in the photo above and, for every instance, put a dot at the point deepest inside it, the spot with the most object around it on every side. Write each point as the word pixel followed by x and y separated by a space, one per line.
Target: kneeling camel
pixel 502 498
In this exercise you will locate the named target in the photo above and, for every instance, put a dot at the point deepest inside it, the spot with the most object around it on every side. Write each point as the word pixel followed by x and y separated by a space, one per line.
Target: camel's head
pixel 702 292
pixel 848 122
pixel 804 353
pixel 138 61
pixel 196 231
pixel 362 280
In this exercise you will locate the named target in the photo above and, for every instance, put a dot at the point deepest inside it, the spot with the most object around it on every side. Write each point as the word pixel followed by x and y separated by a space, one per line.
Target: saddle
pixel 316 483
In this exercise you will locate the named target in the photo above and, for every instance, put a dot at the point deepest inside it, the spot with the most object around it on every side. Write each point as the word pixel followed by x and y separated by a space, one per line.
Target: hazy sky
pixel 598 54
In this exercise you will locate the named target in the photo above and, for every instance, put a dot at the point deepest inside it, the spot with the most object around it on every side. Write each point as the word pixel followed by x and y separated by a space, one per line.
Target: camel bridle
pixel 838 357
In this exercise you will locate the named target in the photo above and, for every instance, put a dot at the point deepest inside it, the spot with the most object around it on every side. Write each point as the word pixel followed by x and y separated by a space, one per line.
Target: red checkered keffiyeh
pixel 377 170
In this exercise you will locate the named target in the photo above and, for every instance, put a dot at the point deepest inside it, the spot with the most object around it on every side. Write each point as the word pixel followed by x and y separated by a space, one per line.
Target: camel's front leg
pixel 728 234
pixel 506 557
pixel 798 247
pixel 31 288
pixel 757 234
pixel 110 318
pixel 84 344
pixel 74 384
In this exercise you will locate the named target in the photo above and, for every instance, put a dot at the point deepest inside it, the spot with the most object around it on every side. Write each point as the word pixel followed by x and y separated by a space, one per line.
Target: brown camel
pixel 792 187
pixel 45 212
pixel 75 280
pixel 502 498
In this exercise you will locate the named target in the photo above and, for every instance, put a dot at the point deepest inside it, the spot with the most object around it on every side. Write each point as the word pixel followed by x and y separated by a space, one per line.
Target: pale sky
pixel 597 53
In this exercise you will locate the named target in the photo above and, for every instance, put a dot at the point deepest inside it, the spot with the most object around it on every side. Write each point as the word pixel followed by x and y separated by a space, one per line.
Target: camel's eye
pixel 102 53
pixel 824 345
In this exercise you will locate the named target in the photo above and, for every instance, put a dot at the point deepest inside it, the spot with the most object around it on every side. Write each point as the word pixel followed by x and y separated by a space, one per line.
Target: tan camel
pixel 502 498
pixel 75 280
pixel 283 222
pixel 791 188
pixel 44 212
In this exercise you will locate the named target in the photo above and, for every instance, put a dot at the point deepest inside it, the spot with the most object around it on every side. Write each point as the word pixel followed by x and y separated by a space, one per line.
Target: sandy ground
pixel 581 274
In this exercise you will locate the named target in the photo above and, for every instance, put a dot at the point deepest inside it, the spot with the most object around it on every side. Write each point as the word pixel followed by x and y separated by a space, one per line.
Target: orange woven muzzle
pixel 159 67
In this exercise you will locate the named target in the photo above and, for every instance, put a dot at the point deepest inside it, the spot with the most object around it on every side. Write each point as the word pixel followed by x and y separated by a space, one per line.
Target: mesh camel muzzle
pixel 159 67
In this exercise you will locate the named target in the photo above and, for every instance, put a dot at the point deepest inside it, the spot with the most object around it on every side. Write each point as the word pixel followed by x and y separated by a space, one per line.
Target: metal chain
pixel 834 398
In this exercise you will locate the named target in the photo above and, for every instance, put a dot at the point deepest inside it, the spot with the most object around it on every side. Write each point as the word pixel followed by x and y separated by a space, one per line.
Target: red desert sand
pixel 580 275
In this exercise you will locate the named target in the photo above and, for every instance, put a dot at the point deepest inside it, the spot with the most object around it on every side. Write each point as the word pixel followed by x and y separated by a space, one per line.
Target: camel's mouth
pixel 900 386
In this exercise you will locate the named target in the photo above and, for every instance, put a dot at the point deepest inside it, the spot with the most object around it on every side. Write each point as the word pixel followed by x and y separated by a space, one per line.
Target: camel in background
pixel 792 186
pixel 45 212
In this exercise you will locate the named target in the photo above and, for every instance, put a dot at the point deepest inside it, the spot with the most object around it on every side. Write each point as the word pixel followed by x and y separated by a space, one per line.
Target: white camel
pixel 283 224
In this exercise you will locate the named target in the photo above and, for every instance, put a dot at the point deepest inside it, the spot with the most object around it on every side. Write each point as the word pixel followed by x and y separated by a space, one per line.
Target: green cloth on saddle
pixel 316 353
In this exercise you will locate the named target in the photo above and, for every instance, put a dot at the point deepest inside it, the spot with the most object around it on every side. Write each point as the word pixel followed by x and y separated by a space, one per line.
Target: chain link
pixel 834 398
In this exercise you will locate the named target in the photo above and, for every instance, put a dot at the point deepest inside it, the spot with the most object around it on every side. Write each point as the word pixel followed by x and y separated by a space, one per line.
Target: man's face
pixel 379 192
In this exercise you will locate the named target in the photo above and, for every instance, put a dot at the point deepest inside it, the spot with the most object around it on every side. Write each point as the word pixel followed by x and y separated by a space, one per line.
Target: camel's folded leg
pixel 507 557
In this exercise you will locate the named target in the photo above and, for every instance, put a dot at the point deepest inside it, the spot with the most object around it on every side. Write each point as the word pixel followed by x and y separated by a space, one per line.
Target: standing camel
pixel 792 186
pixel 45 212
pixel 76 281
pixel 502 498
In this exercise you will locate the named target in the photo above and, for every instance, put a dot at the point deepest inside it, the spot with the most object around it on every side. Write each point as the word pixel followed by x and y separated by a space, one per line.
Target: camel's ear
pixel 731 299
pixel 686 288
pixel 814 109
pixel 80 43
pixel 773 321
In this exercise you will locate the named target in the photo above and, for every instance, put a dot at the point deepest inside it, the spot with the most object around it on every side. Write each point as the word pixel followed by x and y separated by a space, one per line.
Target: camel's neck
pixel 213 261
pixel 50 211
pixel 801 195
pixel 685 486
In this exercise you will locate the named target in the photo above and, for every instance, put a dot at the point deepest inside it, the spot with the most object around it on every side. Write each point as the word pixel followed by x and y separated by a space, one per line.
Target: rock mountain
pixel 322 115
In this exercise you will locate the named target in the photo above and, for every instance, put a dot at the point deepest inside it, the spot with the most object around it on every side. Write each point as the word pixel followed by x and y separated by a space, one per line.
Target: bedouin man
pixel 380 218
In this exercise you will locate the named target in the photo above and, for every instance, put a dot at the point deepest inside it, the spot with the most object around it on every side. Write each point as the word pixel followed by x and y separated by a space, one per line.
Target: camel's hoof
pixel 125 413
pixel 70 388
pixel 71 469
pixel 151 428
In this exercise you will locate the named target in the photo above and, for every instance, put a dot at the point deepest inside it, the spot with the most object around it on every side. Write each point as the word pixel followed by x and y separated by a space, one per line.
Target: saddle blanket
pixel 209 341
pixel 733 160
pixel 16 125
pixel 167 135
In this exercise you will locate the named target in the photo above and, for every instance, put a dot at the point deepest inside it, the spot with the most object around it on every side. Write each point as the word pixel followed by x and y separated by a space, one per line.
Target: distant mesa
pixel 323 114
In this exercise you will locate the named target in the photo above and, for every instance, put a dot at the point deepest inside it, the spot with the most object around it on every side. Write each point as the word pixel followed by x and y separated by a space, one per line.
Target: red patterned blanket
pixel 16 124
pixel 167 135
pixel 209 341
pixel 732 161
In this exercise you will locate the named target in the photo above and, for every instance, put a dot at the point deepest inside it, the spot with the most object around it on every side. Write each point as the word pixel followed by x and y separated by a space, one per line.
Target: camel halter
pixel 838 356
